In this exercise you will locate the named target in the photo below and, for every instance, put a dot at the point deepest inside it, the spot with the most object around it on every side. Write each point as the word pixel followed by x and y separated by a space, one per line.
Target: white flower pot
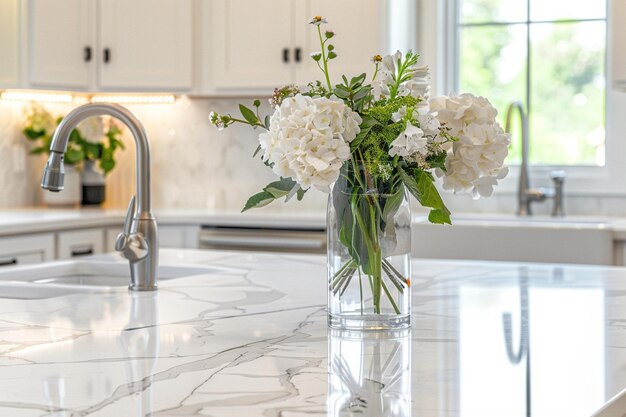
pixel 71 194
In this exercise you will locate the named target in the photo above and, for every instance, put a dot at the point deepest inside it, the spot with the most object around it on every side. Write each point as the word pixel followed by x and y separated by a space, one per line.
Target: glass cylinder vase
pixel 369 251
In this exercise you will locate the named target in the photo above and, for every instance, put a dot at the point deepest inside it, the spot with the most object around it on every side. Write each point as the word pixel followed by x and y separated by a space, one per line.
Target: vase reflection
pixel 369 373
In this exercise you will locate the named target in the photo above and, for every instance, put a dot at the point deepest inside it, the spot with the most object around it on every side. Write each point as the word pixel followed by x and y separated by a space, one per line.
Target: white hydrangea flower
pixel 409 142
pixel 475 162
pixel 457 112
pixel 308 140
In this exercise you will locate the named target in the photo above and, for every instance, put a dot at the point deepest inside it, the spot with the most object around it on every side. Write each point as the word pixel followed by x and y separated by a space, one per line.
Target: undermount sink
pixel 578 240
pixel 539 221
pixel 69 277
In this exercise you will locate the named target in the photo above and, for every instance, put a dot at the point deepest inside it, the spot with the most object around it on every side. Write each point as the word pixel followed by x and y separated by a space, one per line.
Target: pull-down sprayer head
pixel 53 173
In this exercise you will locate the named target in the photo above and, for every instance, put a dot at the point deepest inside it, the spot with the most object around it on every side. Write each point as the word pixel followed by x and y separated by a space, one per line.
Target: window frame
pixel 600 181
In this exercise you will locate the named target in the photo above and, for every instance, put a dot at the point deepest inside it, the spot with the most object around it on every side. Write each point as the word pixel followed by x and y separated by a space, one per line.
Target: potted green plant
pixel 96 140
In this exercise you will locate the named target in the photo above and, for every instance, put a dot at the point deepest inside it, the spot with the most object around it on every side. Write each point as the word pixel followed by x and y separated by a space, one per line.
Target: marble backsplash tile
pixel 196 166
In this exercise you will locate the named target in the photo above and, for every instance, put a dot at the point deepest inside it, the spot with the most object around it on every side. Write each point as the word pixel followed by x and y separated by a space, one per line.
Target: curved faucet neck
pixel 143 182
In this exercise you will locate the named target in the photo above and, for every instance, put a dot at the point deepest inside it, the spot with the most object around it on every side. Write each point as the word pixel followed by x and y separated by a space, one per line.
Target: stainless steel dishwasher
pixel 263 239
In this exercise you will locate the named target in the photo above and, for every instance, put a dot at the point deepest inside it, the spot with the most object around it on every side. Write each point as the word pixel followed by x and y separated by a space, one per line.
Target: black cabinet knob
pixel 87 53
pixel 106 55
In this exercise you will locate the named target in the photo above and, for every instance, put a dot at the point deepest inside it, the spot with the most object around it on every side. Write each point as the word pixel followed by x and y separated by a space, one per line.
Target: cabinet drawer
pixel 20 250
pixel 80 243
pixel 21 259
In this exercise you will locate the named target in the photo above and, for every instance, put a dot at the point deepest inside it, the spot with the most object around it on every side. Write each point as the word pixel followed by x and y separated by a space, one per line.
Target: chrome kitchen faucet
pixel 525 194
pixel 138 242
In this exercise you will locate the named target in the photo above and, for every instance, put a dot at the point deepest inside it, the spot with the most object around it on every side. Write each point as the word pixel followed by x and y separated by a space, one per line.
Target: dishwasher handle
pixel 269 242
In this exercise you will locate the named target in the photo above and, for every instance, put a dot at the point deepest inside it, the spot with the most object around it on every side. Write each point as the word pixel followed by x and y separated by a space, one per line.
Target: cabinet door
pixel 28 249
pixel 360 35
pixel 59 33
pixel 251 44
pixel 9 43
pixel 146 44
pixel 80 243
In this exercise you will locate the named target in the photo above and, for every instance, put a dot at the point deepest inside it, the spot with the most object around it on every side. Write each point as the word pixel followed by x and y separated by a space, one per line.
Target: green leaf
pixel 248 115
pixel 357 81
pixel 258 200
pixel 33 134
pixel 392 203
pixel 439 217
pixel 39 150
pixel 74 156
pixel 300 194
pixel 423 189
pixel 280 188
pixel 366 125
pixel 258 149
pixel 267 122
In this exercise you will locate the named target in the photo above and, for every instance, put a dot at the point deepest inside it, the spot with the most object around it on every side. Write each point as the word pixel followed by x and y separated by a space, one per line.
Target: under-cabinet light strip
pixel 32 96
pixel 50 97
pixel 134 99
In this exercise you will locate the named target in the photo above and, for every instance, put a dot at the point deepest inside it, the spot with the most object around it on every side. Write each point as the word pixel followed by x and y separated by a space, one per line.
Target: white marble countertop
pixel 251 340
pixel 40 219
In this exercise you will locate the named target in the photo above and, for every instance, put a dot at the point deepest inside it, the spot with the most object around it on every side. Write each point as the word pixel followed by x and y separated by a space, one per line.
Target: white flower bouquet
pixel 370 139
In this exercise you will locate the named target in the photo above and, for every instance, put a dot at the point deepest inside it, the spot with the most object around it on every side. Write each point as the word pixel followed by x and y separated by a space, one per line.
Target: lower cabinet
pixel 45 247
pixel 28 249
pixel 77 243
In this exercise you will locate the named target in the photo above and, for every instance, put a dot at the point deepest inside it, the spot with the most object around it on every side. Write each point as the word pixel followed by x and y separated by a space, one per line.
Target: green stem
pixel 394 270
pixel 393 303
pixel 234 119
pixel 322 44
pixel 361 289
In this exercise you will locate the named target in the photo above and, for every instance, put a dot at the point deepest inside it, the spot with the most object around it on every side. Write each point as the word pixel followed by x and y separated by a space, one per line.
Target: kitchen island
pixel 248 337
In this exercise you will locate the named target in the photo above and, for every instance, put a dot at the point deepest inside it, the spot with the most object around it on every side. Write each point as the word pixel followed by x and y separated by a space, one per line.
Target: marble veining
pixel 251 340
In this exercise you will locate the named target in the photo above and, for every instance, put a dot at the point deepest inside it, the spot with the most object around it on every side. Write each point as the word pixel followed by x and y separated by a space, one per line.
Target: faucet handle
pixel 558 177
pixel 132 245
pixel 122 239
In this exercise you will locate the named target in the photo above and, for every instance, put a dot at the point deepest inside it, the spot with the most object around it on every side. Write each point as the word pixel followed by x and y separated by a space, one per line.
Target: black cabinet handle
pixel 106 55
pixel 298 54
pixel 87 54
pixel 82 252
pixel 12 261
pixel 286 55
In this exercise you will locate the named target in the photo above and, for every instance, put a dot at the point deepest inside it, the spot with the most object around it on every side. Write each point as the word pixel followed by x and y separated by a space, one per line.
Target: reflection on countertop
pixel 487 339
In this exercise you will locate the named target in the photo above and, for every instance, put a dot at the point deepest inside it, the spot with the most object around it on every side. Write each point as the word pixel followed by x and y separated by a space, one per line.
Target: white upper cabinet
pixel 9 43
pixel 146 44
pixel 254 46
pixel 250 43
pixel 110 45
pixel 358 24
pixel 61 43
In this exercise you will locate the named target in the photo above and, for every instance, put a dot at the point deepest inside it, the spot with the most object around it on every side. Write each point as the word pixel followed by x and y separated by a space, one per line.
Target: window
pixel 550 55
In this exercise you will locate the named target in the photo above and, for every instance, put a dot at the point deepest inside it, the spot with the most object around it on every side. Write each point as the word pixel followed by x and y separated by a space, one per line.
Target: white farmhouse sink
pixel 69 277
pixel 578 240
